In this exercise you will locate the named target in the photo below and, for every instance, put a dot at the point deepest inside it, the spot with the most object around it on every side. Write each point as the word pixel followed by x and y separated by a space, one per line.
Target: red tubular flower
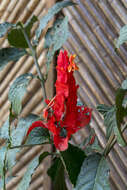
pixel 65 117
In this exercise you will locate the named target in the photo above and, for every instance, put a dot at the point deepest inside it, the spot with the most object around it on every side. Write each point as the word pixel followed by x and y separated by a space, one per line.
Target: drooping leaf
pixel 18 134
pixel 108 113
pixel 103 109
pixel 52 11
pixel 18 90
pixel 122 36
pixel 94 174
pixel 73 158
pixel 24 183
pixel 56 38
pixel 16 37
pixel 56 172
pixel 10 54
pixel 38 135
pixel 4 28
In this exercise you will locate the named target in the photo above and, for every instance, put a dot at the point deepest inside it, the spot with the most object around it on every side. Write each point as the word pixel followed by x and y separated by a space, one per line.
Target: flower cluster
pixel 63 117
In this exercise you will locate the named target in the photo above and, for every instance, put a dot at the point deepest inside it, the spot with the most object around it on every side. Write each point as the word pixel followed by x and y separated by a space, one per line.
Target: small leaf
pixel 73 158
pixel 124 85
pixel 38 135
pixel 18 134
pixel 52 11
pixel 56 172
pixel 24 183
pixel 18 90
pixel 43 155
pixel 10 54
pixel 58 36
pixel 108 113
pixel 16 37
pixel 94 174
pixel 4 28
pixel 103 109
pixel 122 36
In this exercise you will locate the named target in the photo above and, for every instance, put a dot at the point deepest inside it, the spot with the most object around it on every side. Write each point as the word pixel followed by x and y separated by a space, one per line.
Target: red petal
pixel 61 143
pixel 34 125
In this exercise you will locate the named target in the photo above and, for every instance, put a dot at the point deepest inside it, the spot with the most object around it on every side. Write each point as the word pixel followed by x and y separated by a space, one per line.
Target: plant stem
pixel 28 145
pixel 34 55
pixel 111 142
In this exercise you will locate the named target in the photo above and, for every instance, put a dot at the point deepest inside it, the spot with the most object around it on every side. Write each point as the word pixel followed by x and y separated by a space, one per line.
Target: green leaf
pixel 56 36
pixel 18 90
pixel 10 54
pixel 5 27
pixel 91 148
pixel 56 172
pixel 24 183
pixel 4 130
pixel 16 37
pixel 124 85
pixel 18 134
pixel 73 158
pixel 38 135
pixel 3 151
pixel 120 113
pixel 52 11
pixel 108 113
pixel 103 109
pixel 94 174
pixel 43 155
pixel 122 36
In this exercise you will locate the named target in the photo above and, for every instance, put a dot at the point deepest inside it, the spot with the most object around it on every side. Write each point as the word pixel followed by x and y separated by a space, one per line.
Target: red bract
pixel 64 117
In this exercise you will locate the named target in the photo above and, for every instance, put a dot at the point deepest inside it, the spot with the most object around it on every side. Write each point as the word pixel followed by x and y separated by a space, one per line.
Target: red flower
pixel 65 117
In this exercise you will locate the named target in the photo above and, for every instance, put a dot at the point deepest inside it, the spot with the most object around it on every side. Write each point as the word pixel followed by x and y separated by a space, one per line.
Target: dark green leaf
pixel 52 11
pixel 120 115
pixel 18 90
pixel 16 37
pixel 10 54
pixel 122 36
pixel 56 38
pixel 24 183
pixel 18 134
pixel 38 135
pixel 56 172
pixel 94 174
pixel 29 24
pixel 73 158
pixel 4 27
pixel 43 155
